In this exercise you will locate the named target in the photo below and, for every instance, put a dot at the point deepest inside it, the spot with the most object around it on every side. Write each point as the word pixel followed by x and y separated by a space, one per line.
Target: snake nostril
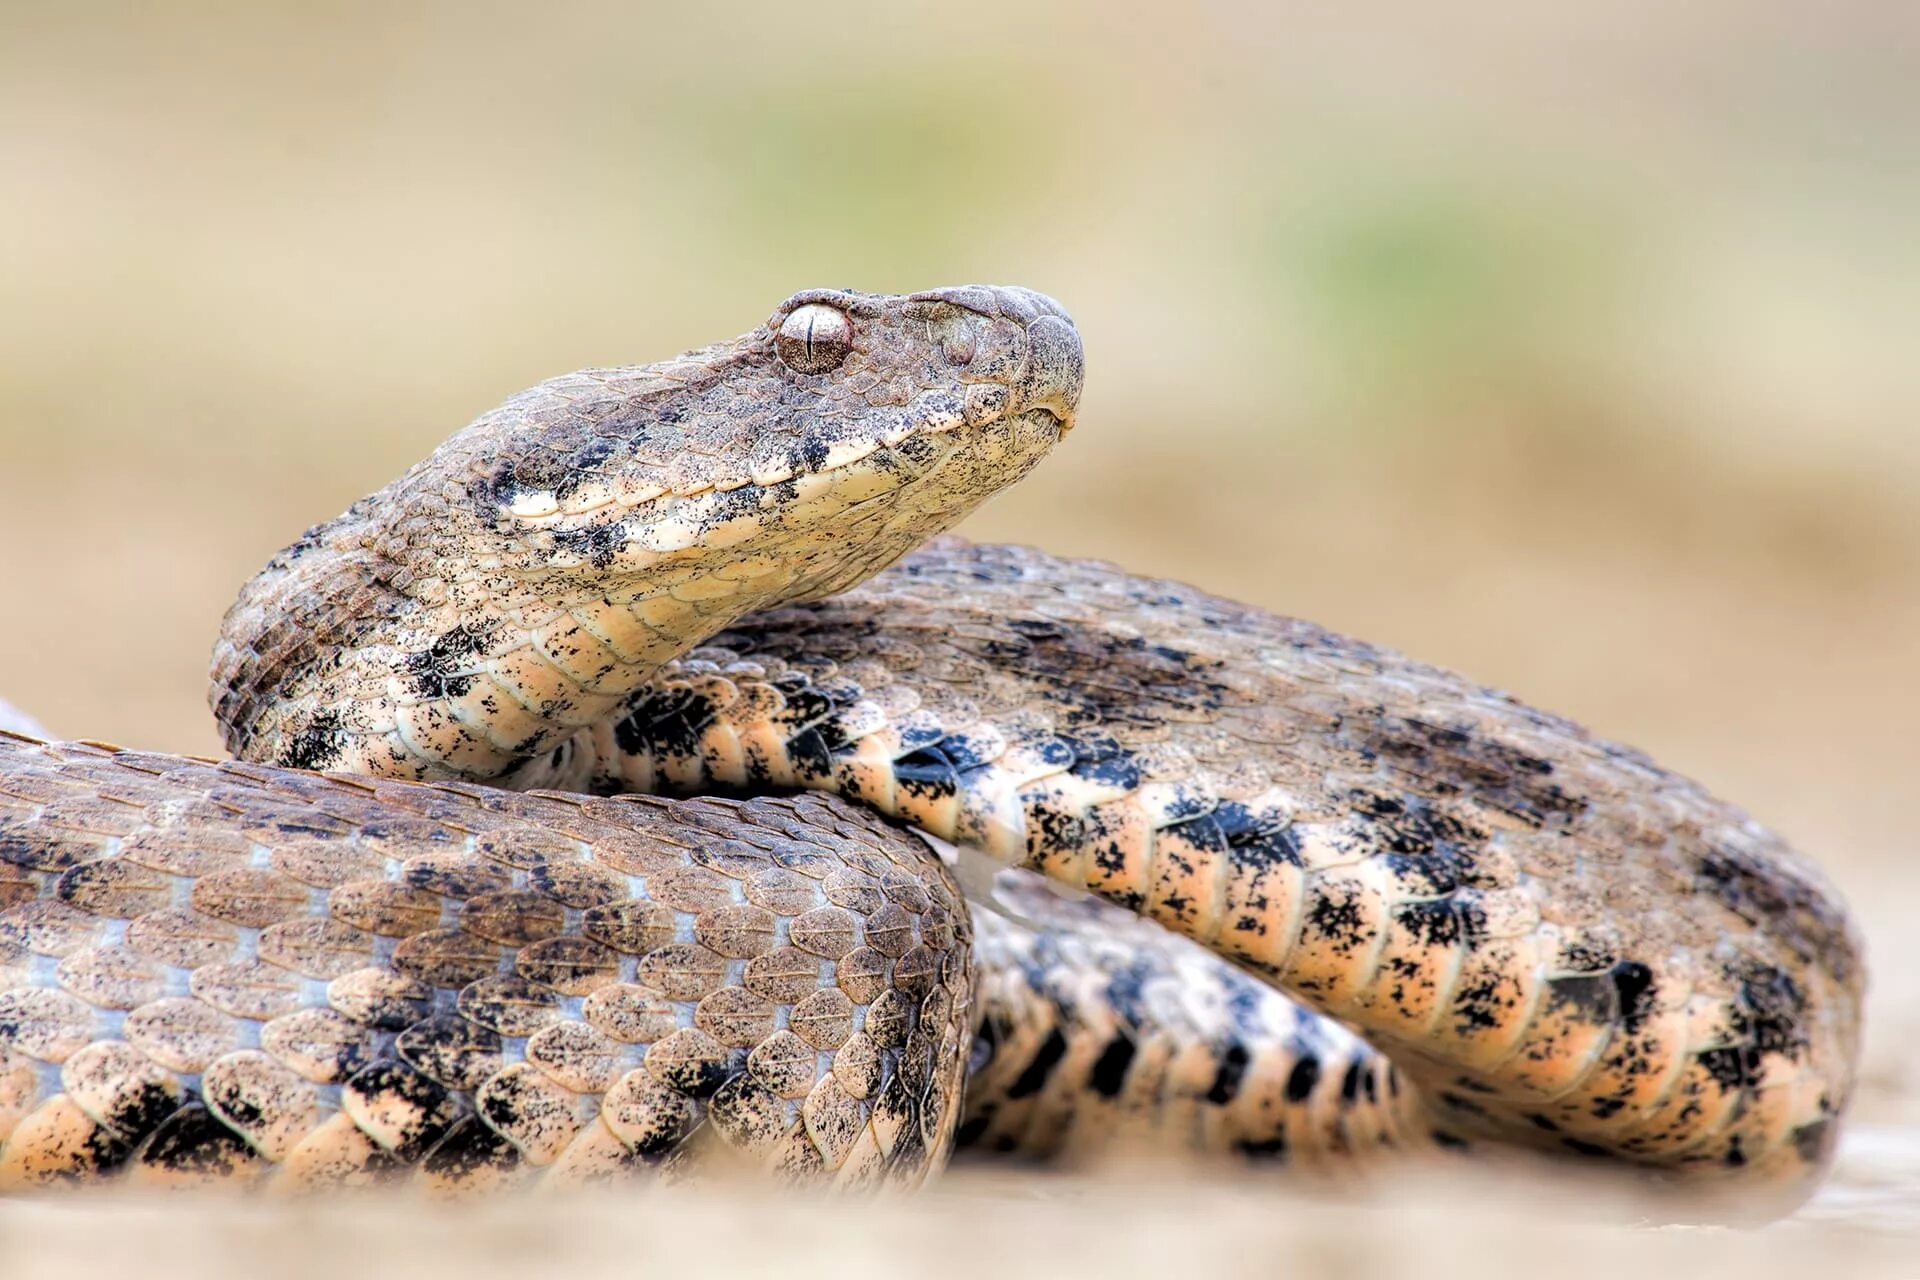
pixel 1056 367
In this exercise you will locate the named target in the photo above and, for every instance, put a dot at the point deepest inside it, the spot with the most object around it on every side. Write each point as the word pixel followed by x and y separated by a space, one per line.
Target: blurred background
pixel 1570 346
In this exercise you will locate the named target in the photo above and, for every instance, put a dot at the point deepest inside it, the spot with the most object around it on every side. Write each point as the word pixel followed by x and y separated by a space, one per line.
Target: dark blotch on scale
pixel 435 672
pixel 1623 993
pixel 468 1148
pixel 1350 1083
pixel 1633 984
pixel 557 471
pixel 1099 758
pixel 1273 1148
pixel 1503 777
pixel 193 1140
pixel 318 745
pixel 387 1083
pixel 1441 922
pixel 665 724
pixel 599 544
pixel 969 1133
pixel 1254 840
pixel 1109 1074
pixel 1045 1059
pixel 1813 1140
pixel 1228 1076
pixel 938 769
pixel 1477 1007
pixel 1775 1009
pixel 1732 1068
pixel 1339 920
pixel 39 853
pixel 817 736
pixel 1302 1079
pixel 1804 919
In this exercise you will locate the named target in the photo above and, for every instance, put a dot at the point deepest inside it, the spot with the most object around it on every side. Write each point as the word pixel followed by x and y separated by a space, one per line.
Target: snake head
pixel 800 457
pixel 521 582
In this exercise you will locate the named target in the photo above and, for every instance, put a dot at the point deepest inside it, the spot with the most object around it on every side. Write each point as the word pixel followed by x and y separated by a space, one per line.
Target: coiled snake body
pixel 360 950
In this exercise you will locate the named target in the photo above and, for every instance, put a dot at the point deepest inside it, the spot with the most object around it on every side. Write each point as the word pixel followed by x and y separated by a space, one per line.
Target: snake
pixel 647 783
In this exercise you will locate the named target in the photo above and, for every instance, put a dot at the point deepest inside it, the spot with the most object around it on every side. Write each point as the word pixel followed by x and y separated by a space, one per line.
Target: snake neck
pixel 345 654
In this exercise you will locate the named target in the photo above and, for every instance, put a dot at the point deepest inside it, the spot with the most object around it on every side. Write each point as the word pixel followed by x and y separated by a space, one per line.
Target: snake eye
pixel 814 339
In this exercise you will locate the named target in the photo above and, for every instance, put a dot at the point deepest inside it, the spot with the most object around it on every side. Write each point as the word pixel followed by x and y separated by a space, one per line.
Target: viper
pixel 975 847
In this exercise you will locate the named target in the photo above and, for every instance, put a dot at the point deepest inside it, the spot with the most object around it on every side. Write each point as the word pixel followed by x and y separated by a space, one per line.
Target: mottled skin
pixel 1557 941
pixel 1552 941
pixel 1100 1035
pixel 230 972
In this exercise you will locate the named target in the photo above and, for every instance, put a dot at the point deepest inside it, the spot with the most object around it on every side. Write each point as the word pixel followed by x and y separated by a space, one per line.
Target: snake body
pixel 1493 926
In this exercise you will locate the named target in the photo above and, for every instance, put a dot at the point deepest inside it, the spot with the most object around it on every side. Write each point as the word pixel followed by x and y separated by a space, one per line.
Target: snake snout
pixel 1055 368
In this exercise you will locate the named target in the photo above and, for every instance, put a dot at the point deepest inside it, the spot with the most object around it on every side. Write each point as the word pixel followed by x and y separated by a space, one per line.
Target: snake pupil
pixel 815 338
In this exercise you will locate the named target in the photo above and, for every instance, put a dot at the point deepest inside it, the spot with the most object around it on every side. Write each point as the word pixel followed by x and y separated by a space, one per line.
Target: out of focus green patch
pixel 1411 284
pixel 1447 293
pixel 907 173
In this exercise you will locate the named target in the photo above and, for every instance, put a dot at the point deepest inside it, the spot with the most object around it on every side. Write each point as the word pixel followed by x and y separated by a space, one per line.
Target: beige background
pixel 1571 346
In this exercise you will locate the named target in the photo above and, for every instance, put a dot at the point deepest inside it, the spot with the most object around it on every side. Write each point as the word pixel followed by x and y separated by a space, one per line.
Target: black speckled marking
pixel 1730 1067
pixel 1099 758
pixel 1506 778
pixel 318 744
pixel 1442 922
pixel 666 724
pixel 1339 919
pixel 469 1147
pixel 410 1088
pixel 434 672
pixel 599 544
pixel 194 1141
pixel 556 471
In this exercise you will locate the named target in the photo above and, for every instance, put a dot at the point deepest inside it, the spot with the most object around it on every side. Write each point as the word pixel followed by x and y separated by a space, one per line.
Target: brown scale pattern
pixel 265 973
pixel 1558 941
pixel 1100 1035
pixel 230 972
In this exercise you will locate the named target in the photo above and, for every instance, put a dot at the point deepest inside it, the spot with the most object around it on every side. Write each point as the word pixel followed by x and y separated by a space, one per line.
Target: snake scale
pixel 421 926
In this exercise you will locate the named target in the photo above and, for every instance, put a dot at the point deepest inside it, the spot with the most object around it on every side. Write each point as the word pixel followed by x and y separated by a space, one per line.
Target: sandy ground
pixel 970 1226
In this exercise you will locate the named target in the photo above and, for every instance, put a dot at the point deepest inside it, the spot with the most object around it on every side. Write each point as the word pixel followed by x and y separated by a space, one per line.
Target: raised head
pixel 520 583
